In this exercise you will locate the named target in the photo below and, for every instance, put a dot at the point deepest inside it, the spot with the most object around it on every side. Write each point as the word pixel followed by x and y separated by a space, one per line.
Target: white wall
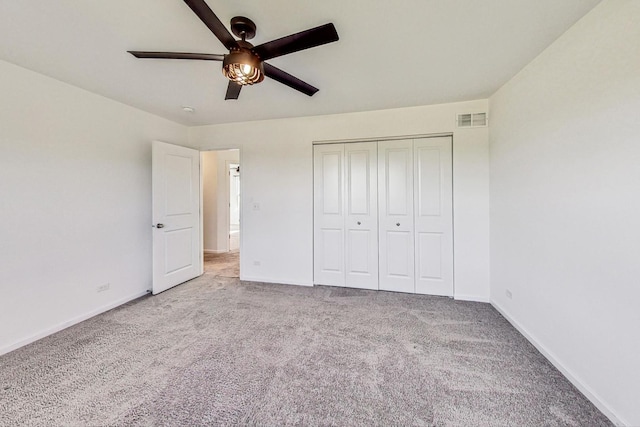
pixel 215 188
pixel 75 213
pixel 277 174
pixel 565 205
pixel 209 170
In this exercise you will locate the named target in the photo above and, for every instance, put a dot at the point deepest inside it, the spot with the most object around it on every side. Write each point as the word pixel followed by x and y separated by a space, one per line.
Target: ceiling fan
pixel 244 64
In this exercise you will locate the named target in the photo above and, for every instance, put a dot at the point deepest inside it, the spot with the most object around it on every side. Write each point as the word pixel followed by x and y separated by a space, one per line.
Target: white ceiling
pixel 390 53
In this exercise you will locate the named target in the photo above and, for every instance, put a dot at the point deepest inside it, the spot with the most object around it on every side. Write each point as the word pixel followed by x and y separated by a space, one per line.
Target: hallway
pixel 225 264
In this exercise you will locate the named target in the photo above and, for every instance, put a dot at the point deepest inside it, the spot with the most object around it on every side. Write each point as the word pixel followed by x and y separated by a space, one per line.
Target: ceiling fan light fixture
pixel 244 64
pixel 243 67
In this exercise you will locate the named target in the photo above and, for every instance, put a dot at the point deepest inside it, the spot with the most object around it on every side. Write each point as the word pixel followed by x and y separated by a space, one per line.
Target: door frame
pixel 393 138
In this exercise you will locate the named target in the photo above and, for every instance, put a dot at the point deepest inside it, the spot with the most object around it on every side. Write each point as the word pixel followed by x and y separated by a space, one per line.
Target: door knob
pixel 159 225
pixel 398 224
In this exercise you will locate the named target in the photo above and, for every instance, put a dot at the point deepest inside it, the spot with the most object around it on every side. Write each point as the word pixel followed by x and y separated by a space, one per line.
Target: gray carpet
pixel 216 351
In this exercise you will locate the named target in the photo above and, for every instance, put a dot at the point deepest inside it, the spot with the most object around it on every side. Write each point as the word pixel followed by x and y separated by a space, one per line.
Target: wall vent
pixel 471 120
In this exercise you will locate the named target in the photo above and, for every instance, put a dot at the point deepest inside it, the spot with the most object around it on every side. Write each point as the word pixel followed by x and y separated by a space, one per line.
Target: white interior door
pixel 396 237
pixel 176 215
pixel 329 215
pixel 361 222
pixel 433 200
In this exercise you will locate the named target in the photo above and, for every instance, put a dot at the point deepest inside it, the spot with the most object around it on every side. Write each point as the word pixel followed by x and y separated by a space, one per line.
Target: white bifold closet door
pixel 328 207
pixel 361 221
pixel 416 216
pixel 395 169
pixel 383 215
pixel 433 215
pixel 346 215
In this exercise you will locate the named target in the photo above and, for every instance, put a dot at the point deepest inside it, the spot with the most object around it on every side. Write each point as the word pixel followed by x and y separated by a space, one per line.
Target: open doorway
pixel 221 212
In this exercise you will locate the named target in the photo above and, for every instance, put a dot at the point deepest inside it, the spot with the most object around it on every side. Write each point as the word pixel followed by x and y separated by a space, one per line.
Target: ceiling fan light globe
pixel 243 67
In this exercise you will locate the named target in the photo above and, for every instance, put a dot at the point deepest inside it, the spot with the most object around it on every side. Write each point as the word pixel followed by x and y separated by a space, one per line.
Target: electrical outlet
pixel 508 294
pixel 104 287
pixel 255 206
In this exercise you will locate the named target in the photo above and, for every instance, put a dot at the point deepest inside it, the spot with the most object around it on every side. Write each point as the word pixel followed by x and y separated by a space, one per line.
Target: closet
pixel 383 215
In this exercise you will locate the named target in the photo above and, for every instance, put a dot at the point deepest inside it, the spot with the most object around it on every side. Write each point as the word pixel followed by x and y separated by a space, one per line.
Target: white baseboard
pixel 60 326
pixel 275 281
pixel 473 298
pixel 215 251
pixel 584 389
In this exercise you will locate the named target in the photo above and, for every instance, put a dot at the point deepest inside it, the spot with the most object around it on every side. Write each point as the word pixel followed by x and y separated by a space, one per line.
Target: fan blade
pixel 287 79
pixel 295 42
pixel 233 90
pixel 210 19
pixel 177 55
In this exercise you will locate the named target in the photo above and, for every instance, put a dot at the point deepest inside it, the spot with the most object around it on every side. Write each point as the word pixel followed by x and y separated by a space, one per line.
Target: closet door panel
pixel 361 222
pixel 396 234
pixel 398 254
pixel 329 215
pixel 429 260
pixel 433 216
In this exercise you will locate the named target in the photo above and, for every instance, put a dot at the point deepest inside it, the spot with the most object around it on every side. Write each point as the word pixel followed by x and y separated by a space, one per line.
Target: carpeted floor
pixel 217 351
